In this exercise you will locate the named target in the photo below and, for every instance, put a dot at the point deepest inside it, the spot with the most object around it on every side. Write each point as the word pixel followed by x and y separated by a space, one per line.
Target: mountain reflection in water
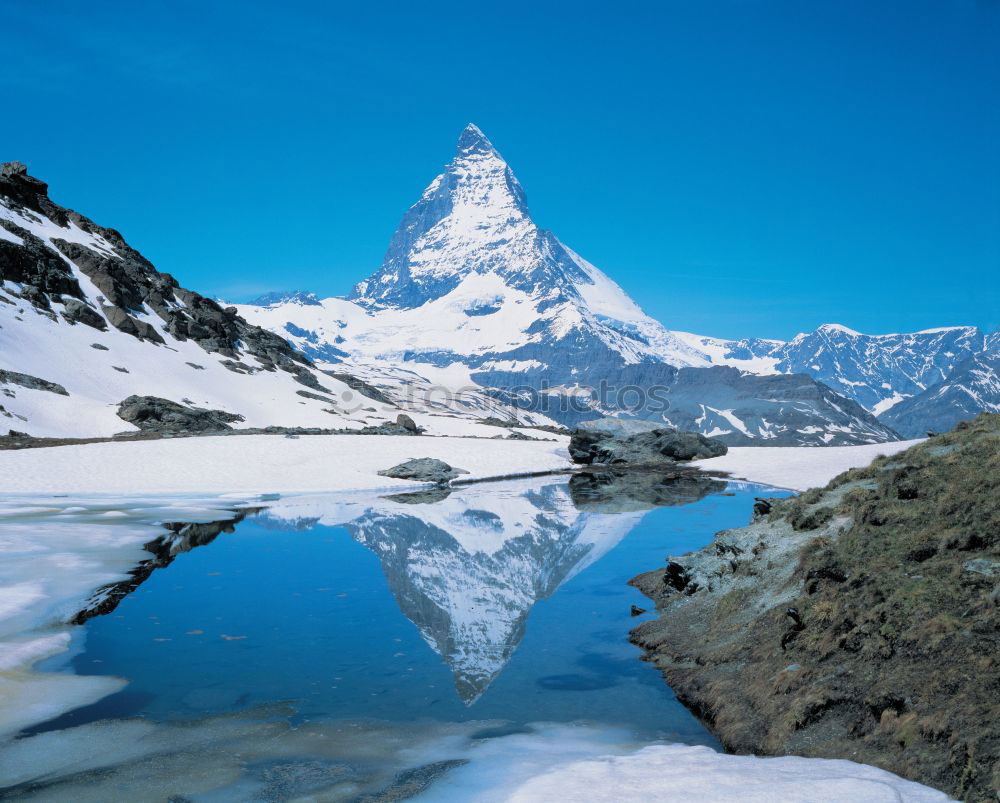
pixel 464 565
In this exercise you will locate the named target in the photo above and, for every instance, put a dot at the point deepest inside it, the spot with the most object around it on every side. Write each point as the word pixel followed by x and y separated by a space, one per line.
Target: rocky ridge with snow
pixel 86 322
pixel 473 294
pixel 876 371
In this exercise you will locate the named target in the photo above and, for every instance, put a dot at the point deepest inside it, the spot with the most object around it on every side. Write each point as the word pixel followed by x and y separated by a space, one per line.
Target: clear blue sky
pixel 740 167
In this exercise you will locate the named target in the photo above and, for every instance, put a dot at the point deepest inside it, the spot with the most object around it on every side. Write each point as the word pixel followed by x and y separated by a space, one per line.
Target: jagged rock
pixel 305 394
pixel 391 428
pixel 32 382
pixel 423 469
pixel 153 414
pixel 591 447
pixel 121 320
pixel 77 312
pixel 128 283
pixel 237 367
pixel 14 168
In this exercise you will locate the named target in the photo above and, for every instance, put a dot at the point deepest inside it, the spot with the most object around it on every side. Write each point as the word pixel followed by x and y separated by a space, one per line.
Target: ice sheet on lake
pixel 257 755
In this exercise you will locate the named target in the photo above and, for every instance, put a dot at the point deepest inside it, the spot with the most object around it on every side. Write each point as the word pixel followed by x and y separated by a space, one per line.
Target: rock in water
pixel 423 469
pixel 593 447
pixel 153 414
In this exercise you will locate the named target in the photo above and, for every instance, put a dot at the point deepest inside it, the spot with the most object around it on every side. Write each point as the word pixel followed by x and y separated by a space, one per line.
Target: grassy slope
pixel 894 570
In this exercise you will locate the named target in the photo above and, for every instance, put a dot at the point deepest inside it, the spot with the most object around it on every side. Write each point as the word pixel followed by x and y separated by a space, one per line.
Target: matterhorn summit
pixel 471 237
pixel 472 293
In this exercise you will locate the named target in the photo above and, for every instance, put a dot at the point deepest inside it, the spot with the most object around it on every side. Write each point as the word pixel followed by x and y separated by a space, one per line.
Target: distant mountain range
pixel 475 312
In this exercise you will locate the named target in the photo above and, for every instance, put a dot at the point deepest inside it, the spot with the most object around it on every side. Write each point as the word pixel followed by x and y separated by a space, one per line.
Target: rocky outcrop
pixel 153 414
pixel 76 311
pixel 31 382
pixel 424 469
pixel 657 446
pixel 362 387
pixel 130 286
pixel 855 621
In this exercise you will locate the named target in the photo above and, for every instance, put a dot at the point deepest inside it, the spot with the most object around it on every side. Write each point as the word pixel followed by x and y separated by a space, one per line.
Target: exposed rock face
pixel 76 311
pixel 31 382
pixel 424 469
pixel 152 414
pixel 128 282
pixel 855 621
pixel 591 447
pixel 407 423
pixel 62 276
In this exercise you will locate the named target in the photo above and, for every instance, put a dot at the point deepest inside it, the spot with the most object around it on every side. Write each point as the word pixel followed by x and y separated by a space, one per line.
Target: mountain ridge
pixel 473 292
pixel 87 322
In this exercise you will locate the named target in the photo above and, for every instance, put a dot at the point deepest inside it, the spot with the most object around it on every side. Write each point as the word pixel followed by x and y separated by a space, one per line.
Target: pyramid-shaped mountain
pixel 473 293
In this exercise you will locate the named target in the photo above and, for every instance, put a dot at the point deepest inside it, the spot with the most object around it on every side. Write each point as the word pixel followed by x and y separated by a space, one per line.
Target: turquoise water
pixel 504 602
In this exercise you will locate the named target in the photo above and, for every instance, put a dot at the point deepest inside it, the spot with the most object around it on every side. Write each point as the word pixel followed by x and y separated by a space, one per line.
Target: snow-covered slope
pixel 971 388
pixel 86 321
pixel 473 294
pixel 876 371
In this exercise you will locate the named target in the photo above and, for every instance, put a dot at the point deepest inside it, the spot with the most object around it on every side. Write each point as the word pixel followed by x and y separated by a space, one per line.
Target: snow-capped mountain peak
pixel 286 297
pixel 471 239
pixel 472 218
pixel 472 292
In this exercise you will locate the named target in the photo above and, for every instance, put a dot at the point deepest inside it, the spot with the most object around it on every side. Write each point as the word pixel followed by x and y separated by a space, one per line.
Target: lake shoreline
pixel 850 622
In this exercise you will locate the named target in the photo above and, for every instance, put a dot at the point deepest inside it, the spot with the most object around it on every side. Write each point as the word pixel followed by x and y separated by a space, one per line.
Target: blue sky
pixel 741 168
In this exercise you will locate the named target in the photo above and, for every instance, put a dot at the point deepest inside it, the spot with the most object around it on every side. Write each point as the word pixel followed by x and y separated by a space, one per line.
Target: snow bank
pixel 797 467
pixel 694 774
pixel 254 464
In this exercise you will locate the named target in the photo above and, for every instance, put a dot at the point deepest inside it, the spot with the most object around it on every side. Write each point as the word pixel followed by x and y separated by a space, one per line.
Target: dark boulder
pixel 407 423
pixel 77 312
pixel 153 414
pixel 591 447
pixel 423 469
pixel 31 382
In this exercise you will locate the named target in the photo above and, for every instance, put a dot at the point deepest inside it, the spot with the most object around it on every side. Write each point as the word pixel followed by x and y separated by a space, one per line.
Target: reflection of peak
pixel 466 569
